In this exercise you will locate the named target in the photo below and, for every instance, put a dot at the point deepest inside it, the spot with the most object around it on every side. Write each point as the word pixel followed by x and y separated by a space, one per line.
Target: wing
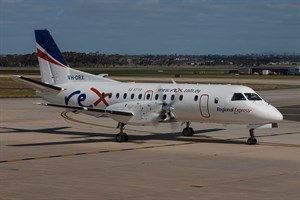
pixel 118 115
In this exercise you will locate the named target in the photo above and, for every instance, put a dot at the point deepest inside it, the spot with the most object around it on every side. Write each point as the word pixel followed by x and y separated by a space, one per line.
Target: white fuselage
pixel 192 102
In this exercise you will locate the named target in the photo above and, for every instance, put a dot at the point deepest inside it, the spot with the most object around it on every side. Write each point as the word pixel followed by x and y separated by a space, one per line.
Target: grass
pixel 19 71
pixel 258 87
pixel 183 71
pixel 17 93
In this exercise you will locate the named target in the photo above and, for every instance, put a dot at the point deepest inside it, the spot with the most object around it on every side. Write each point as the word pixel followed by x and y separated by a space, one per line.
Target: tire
pixel 192 132
pixel 120 137
pixel 188 132
pixel 251 141
pixel 254 141
pixel 125 137
pixel 185 132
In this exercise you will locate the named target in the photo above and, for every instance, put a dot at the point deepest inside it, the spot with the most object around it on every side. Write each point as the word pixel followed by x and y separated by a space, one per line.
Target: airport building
pixel 269 70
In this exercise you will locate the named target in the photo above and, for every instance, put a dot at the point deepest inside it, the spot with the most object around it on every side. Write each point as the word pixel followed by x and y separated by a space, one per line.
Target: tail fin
pixel 53 68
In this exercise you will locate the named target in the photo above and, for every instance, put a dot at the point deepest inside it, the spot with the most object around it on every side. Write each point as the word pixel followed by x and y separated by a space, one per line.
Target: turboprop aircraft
pixel 145 103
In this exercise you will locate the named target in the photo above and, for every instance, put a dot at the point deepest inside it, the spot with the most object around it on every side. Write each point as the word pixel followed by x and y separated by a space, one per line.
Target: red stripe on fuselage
pixel 46 57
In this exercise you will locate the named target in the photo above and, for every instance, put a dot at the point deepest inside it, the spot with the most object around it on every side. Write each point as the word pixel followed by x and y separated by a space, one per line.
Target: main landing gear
pixel 251 140
pixel 188 131
pixel 121 137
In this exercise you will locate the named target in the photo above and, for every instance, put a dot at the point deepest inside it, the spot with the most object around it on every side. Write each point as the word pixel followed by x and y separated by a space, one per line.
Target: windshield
pixel 238 97
pixel 252 97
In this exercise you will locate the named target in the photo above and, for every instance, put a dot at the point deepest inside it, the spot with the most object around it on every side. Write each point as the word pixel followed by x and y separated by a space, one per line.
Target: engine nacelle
pixel 144 112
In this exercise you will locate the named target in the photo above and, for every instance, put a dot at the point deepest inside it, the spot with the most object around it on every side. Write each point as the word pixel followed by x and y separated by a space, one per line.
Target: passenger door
pixel 204 105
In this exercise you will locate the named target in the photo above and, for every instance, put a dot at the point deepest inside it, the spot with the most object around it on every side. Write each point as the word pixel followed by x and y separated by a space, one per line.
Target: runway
pixel 50 154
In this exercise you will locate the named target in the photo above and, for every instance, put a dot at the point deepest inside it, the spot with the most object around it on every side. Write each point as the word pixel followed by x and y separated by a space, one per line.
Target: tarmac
pixel 46 153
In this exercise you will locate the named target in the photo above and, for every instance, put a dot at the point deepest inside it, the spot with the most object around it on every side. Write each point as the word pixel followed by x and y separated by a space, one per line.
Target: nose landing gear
pixel 251 140
pixel 188 131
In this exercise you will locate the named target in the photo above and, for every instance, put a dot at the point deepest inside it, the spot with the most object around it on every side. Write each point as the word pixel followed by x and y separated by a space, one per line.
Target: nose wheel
pixel 121 137
pixel 251 140
pixel 188 131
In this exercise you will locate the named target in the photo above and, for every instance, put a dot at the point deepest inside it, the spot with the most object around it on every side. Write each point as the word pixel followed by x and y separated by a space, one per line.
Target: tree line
pixel 74 59
pixel 97 60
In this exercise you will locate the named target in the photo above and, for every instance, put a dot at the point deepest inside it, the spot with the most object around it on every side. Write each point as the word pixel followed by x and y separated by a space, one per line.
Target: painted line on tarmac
pixel 288 108
pixel 291 114
pixel 65 116
pixel 278 144
pixel 133 149
pixel 94 152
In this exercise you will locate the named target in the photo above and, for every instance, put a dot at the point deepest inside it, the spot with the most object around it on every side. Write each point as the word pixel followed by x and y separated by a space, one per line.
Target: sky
pixel 194 27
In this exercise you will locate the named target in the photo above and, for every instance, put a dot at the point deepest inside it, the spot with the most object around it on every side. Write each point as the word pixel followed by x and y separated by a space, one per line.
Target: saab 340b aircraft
pixel 145 103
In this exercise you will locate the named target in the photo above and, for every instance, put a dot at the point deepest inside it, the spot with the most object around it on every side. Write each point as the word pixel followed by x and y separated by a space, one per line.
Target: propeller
pixel 166 114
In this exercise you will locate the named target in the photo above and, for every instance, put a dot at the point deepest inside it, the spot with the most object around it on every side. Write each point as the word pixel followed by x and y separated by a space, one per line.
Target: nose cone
pixel 278 116
pixel 274 114
pixel 266 113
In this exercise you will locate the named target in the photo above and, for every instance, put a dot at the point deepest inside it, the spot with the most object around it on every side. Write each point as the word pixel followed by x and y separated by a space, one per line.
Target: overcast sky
pixel 153 26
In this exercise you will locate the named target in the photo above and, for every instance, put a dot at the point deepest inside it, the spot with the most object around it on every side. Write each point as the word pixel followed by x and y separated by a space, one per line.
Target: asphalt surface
pixel 49 154
pixel 291 112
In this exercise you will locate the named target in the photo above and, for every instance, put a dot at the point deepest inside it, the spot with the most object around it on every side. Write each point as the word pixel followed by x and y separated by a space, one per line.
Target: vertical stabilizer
pixel 53 68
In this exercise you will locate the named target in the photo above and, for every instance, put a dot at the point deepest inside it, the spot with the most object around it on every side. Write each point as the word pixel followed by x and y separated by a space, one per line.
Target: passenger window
pixel 172 97
pixel 156 96
pixel 117 95
pixel 124 95
pixel 238 97
pixel 140 96
pixel 164 97
pixel 196 98
pixel 110 95
pixel 148 96
pixel 180 97
pixel 252 97
pixel 132 96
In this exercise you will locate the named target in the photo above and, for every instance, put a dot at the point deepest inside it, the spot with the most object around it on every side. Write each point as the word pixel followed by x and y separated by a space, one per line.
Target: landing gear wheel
pixel 191 131
pixel 185 132
pixel 251 141
pixel 120 137
pixel 125 137
pixel 188 132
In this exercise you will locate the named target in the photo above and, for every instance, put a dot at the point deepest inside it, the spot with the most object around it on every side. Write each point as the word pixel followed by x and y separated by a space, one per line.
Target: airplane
pixel 144 104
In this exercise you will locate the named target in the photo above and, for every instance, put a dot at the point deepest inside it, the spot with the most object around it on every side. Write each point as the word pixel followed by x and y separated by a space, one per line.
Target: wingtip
pixel 15 76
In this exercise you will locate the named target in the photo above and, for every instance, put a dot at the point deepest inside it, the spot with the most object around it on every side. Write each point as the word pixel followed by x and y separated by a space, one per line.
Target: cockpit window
pixel 252 97
pixel 238 97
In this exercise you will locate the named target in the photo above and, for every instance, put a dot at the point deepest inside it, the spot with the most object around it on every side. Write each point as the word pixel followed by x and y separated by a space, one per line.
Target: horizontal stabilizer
pixel 37 85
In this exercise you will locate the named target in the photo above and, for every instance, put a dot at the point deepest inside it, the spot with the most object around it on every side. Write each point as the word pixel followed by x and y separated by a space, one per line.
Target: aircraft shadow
pixel 78 137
